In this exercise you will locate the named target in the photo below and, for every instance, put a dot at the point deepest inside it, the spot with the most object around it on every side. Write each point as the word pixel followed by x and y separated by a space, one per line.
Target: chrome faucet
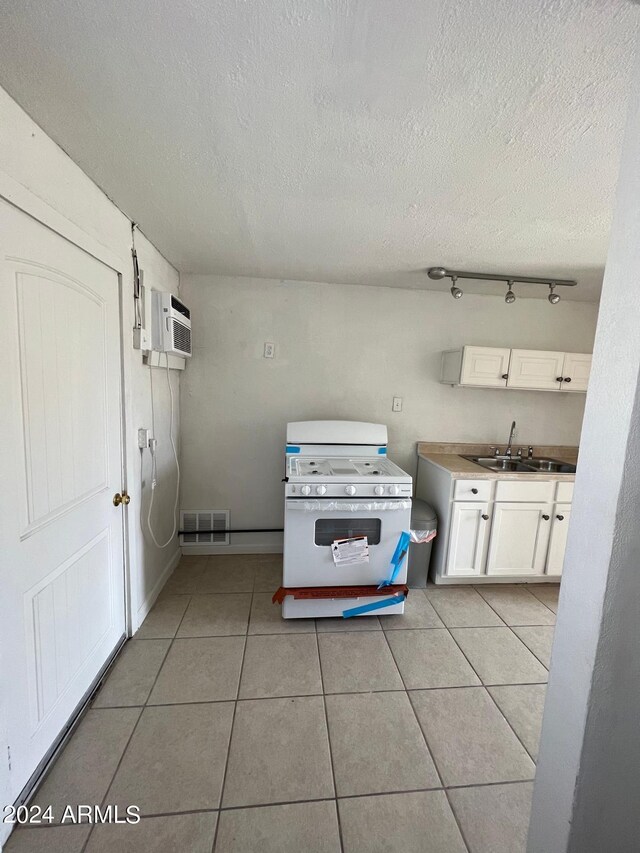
pixel 511 434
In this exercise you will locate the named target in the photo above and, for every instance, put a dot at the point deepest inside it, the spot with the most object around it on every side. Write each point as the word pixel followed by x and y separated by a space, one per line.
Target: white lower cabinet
pixel 558 540
pixel 468 540
pixel 519 539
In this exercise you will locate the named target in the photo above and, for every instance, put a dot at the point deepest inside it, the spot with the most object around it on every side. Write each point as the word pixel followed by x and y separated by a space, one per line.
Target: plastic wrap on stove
pixel 348 506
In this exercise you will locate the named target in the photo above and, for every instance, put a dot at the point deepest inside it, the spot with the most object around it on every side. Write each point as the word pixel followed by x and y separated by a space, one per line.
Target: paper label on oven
pixel 348 552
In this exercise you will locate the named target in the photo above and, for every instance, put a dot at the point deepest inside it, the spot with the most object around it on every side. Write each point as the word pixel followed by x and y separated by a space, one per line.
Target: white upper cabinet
pixel 575 373
pixel 521 369
pixel 486 367
pixel 537 370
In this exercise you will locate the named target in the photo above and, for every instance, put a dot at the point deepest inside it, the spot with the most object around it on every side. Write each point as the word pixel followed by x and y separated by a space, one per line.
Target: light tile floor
pixel 235 731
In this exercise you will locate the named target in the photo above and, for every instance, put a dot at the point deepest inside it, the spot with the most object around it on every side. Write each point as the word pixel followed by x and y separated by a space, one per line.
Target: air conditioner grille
pixel 197 525
pixel 181 337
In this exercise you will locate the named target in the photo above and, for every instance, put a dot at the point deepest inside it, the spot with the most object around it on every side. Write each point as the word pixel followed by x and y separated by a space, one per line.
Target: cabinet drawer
pixel 565 491
pixel 472 490
pixel 528 490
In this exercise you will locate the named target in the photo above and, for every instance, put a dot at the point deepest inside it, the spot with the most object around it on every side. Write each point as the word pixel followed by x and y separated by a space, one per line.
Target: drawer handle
pixel 474 491
pixel 485 517
pixel 567 379
pixel 560 517
pixel 546 517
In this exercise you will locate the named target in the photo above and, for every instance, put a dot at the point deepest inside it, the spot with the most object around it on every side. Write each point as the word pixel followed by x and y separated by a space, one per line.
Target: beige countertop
pixel 449 457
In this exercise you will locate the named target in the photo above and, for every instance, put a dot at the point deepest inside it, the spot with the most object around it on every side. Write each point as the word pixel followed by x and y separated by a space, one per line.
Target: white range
pixel 339 485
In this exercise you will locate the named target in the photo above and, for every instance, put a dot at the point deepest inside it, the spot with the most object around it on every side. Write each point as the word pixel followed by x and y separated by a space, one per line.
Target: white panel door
pixel 519 539
pixel 468 539
pixel 485 366
pixel 576 370
pixel 558 540
pixel 537 370
pixel 61 574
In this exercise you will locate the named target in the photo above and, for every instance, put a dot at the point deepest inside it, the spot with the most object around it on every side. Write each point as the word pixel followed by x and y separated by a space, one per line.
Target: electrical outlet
pixel 397 404
pixel 269 350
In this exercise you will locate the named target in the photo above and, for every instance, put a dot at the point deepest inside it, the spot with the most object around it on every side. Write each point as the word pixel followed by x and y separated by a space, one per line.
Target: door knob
pixel 505 375
pixel 559 378
pixel 546 517
pixel 121 499
pixel 560 517
pixel 567 379
pixel 485 517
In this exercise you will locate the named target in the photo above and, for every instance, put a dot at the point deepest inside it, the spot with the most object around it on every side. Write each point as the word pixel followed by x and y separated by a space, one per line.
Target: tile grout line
pixel 233 720
pixel 326 719
pixel 488 692
pixel 129 739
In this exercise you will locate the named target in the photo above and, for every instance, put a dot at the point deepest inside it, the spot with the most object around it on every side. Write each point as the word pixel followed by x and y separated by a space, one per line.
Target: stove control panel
pixel 343 490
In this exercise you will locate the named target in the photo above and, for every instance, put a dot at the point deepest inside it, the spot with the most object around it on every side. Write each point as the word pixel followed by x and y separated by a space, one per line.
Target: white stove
pixel 340 485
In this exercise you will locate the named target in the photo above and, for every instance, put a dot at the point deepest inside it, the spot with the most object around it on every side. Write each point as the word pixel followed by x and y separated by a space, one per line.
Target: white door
pixel 576 370
pixel 558 540
pixel 468 539
pixel 485 366
pixel 519 539
pixel 537 370
pixel 61 572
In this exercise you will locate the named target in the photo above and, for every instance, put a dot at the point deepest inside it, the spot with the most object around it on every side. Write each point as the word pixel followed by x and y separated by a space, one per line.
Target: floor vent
pixel 212 522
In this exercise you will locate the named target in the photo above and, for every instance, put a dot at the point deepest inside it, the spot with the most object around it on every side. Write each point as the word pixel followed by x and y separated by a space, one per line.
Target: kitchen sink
pixel 536 465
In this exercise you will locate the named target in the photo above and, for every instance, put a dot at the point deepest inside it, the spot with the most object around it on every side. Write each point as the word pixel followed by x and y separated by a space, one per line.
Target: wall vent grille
pixel 181 337
pixel 192 521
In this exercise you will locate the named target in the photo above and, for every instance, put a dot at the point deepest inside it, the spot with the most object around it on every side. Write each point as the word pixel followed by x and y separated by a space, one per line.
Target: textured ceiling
pixel 340 140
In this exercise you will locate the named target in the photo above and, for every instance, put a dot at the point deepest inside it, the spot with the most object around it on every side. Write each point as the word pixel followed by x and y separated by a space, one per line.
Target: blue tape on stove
pixel 398 556
pixel 375 605
pixel 290 448
pixel 382 451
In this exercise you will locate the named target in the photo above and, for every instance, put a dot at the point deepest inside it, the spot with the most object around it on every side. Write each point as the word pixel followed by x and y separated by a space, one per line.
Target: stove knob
pixel 350 490
pixel 321 490
pixel 305 490
pixel 379 490
pixel 394 490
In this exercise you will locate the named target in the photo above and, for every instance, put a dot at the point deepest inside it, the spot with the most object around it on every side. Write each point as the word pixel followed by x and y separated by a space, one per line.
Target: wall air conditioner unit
pixel 171 325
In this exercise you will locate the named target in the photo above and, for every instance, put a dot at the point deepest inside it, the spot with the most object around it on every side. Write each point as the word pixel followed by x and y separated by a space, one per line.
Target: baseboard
pixel 259 548
pixel 149 601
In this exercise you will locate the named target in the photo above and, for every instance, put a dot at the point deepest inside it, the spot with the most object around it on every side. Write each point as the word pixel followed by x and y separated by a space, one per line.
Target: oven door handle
pixel 302 505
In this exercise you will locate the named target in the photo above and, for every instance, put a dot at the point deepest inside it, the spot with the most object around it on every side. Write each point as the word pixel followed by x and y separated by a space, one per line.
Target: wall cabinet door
pixel 558 540
pixel 485 366
pixel 468 540
pixel 519 538
pixel 576 370
pixel 536 370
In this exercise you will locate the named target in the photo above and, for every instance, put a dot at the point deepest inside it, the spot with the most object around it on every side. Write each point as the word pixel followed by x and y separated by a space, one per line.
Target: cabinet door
pixel 558 540
pixel 576 370
pixel 485 366
pixel 537 370
pixel 468 539
pixel 519 538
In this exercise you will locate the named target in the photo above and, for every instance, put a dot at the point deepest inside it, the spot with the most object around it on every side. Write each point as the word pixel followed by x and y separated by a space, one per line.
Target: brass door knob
pixel 121 499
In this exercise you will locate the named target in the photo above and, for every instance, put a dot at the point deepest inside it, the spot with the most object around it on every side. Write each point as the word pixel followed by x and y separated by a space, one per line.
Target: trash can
pixel 423 522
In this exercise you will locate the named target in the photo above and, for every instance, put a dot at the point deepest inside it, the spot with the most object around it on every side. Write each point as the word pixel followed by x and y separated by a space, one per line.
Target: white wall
pixel 588 778
pixel 344 352
pixel 33 161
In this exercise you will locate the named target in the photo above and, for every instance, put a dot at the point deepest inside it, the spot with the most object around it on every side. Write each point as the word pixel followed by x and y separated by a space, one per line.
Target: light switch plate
pixel 269 350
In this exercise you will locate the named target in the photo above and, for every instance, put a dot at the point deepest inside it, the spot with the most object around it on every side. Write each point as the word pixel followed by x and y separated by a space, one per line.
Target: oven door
pixel 311 526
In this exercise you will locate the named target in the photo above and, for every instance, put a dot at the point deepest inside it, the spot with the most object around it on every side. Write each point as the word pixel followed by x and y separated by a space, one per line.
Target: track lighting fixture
pixel 553 298
pixel 455 291
pixel 438 273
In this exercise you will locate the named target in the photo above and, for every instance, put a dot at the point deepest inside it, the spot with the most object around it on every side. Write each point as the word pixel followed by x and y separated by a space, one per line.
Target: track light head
pixel 455 290
pixel 510 297
pixel 553 298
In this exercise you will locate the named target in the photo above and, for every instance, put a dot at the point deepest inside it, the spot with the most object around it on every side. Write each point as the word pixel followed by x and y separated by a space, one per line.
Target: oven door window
pixel 329 529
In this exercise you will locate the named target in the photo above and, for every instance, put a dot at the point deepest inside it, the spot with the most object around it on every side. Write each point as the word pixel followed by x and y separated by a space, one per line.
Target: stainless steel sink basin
pixel 541 463
pixel 536 465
